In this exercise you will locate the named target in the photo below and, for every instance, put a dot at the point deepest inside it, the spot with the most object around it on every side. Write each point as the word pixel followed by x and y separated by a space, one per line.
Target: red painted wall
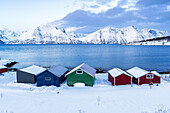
pixel 144 80
pixel 122 79
pixel 3 70
pixel 111 79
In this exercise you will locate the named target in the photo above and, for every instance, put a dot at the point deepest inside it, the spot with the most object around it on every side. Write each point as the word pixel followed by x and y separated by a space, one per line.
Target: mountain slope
pixel 45 34
pixel 51 34
pixel 7 35
pixel 1 42
pixel 110 35
pixel 154 41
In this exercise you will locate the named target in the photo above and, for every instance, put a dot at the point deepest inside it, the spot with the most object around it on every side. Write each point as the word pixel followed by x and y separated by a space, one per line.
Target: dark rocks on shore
pixel 11 64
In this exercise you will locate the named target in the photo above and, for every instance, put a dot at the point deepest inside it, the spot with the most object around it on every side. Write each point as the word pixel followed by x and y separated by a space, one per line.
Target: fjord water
pixel 103 56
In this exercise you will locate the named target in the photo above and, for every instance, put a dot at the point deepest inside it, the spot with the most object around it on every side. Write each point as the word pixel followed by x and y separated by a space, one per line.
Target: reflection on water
pixel 105 56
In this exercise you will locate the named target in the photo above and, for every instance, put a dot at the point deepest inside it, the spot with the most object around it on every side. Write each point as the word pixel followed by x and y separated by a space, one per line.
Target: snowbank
pixel 4 61
pixel 102 98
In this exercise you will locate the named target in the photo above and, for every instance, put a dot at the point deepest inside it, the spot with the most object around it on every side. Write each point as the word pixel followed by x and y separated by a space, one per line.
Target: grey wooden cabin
pixel 29 74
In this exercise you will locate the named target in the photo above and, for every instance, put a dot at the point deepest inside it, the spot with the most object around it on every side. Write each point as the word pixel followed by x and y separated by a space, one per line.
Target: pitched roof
pixel 155 73
pixel 116 72
pixel 88 69
pixel 33 69
pixel 137 72
pixel 58 70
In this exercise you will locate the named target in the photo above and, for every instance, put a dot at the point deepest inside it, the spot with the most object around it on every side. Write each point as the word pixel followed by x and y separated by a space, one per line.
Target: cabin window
pixel 79 72
pixel 149 76
pixel 48 78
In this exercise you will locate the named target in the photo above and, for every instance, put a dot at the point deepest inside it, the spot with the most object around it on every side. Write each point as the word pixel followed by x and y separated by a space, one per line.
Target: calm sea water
pixel 104 56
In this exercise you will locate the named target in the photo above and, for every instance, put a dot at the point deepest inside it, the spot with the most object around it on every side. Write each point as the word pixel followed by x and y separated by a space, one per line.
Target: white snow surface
pixel 156 73
pixel 2 67
pixel 137 72
pixel 51 34
pixel 7 35
pixel 117 71
pixel 33 69
pixel 102 98
pixel 85 67
pixel 111 35
pixel 45 34
pixel 79 85
pixel 4 61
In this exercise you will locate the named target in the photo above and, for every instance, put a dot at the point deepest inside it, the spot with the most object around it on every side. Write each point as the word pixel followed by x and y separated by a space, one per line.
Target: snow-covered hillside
pixel 102 98
pixel 110 35
pixel 51 34
pixel 8 35
pixel 154 41
pixel 45 34
pixel 1 42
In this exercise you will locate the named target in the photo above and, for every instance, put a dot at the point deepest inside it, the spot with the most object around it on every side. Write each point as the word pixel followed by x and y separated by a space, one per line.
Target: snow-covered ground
pixel 102 98
pixel 4 61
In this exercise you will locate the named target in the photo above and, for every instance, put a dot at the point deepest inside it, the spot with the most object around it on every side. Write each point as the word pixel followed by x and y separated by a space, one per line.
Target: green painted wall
pixel 82 78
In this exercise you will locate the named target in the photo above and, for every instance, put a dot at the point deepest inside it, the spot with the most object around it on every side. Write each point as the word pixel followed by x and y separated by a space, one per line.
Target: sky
pixel 75 14
pixel 25 14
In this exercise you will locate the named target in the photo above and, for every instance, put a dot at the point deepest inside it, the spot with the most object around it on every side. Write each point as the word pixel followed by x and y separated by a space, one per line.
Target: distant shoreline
pixel 98 70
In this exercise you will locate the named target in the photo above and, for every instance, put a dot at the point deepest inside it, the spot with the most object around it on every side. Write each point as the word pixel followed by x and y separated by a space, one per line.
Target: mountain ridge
pixel 51 34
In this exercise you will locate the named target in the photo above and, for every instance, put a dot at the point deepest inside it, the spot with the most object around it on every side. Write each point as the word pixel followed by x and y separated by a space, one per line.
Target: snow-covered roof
pixel 116 72
pixel 33 69
pixel 2 67
pixel 58 70
pixel 88 69
pixel 137 72
pixel 155 73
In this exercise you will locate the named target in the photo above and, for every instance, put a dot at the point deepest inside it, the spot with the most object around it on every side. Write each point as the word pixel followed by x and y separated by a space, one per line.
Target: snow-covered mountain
pixel 45 34
pixel 1 42
pixel 51 34
pixel 8 35
pixel 111 35
pixel 154 41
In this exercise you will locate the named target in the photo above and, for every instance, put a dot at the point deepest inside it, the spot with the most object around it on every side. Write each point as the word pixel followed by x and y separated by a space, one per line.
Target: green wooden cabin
pixel 81 74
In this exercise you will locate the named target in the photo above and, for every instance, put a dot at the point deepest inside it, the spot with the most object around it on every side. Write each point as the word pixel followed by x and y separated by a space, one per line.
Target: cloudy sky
pixel 83 14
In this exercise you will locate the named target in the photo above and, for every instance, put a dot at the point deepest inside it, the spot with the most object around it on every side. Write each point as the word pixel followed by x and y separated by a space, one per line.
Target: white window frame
pixel 79 70
pixel 47 78
pixel 149 77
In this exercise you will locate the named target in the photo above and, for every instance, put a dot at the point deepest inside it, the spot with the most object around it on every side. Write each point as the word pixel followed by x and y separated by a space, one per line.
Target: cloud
pixel 94 6
pixel 140 16
pixel 128 3
pixel 73 29
pixel 147 3
pixel 140 13
pixel 168 8
pixel 97 6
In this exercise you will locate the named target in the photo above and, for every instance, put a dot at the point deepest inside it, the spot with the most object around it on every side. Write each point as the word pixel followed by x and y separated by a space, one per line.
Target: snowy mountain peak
pixel 111 35
pixel 44 34
pixel 6 34
pixel 52 34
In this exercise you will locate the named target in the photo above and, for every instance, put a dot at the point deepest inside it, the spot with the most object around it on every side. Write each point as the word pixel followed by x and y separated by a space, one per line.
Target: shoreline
pixel 10 65
pixel 98 70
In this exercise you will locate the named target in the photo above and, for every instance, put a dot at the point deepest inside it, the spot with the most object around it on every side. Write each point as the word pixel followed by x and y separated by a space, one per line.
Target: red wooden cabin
pixel 119 77
pixel 141 76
